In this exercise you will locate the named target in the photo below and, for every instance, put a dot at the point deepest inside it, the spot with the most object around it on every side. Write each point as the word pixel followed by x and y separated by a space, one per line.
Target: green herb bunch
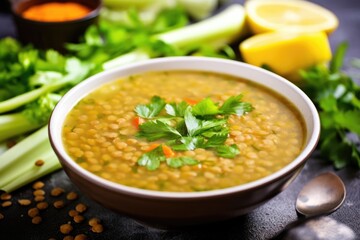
pixel 107 40
pixel 184 127
pixel 32 82
pixel 337 98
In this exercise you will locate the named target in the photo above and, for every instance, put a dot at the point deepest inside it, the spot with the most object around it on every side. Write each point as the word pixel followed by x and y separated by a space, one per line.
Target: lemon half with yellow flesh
pixel 286 53
pixel 289 15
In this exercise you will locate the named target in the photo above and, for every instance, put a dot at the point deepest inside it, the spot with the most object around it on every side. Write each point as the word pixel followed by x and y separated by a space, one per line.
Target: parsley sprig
pixel 337 98
pixel 184 127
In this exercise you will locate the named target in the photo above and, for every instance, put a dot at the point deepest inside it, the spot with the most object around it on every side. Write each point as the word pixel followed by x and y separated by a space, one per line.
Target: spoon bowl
pixel 323 194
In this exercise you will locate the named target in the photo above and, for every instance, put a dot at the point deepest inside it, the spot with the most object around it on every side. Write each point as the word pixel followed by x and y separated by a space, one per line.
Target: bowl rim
pixel 56 142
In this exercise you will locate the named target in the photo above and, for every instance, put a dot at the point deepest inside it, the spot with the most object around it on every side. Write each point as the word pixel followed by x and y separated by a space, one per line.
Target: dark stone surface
pixel 263 223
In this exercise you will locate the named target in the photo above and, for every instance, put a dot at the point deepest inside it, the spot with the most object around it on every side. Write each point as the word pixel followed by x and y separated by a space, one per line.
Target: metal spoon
pixel 322 195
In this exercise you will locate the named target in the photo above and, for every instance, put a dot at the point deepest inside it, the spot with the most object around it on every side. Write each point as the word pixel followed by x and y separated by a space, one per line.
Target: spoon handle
pixel 297 222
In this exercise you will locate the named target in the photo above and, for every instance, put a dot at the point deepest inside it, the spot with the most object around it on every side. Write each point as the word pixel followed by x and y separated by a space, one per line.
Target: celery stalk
pixel 76 72
pixel 27 97
pixel 134 56
pixel 147 14
pixel 15 124
pixel 216 31
pixel 51 164
pixel 199 9
pixel 17 165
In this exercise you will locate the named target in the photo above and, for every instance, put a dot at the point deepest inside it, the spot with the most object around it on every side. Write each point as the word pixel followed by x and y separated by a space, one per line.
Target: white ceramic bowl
pixel 170 209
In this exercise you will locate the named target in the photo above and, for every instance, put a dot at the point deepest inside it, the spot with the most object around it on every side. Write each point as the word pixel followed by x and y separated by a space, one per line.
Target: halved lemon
pixel 289 15
pixel 286 53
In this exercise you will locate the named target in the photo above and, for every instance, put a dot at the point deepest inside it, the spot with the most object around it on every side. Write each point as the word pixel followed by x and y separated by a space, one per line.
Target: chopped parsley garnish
pixel 152 109
pixel 227 151
pixel 151 160
pixel 181 161
pixel 157 129
pixel 185 127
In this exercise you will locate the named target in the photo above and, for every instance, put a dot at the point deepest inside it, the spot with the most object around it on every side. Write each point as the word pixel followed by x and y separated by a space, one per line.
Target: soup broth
pixel 101 133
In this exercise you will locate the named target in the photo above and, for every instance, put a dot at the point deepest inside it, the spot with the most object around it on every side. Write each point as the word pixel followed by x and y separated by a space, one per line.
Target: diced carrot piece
pixel 168 152
pixel 191 101
pixel 152 147
pixel 137 121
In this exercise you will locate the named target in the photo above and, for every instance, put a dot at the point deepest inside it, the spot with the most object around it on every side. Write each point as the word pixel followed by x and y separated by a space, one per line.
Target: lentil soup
pixel 101 132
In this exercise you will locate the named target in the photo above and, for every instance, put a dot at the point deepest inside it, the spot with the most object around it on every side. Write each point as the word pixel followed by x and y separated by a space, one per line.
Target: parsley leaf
pixel 53 61
pixel 152 109
pixel 217 138
pixel 191 122
pixel 156 129
pixel 205 107
pixel 181 127
pixel 187 143
pixel 233 105
pixel 181 161
pixel 176 109
pixel 227 151
pixel 206 125
pixel 328 103
pixel 151 160
pixel 349 120
pixel 39 111
pixel 197 126
pixel 337 61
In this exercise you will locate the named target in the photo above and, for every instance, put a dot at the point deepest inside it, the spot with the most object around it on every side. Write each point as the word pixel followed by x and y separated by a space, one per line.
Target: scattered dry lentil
pixel 33 212
pixel 59 204
pixel 71 196
pixel 81 207
pixel 39 163
pixel 78 218
pixel 66 228
pixel 55 192
pixel 80 237
pixel 5 196
pixel 42 205
pixel 24 202
pixel 36 220
pixel 6 204
pixel 39 192
pixel 73 213
pixel 38 185
pixel 94 221
pixel 97 228
pixel 39 198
